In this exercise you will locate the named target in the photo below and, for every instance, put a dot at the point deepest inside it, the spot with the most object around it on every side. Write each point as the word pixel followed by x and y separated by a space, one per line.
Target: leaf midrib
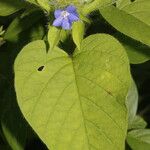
pixel 77 89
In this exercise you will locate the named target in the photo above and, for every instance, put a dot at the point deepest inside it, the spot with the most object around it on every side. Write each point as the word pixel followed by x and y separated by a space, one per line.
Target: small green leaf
pixel 78 33
pixel 132 102
pixel 133 20
pixel 64 35
pixel 76 102
pixel 54 35
pixel 11 139
pixel 139 139
pixel 1 31
pixel 134 122
pixel 137 123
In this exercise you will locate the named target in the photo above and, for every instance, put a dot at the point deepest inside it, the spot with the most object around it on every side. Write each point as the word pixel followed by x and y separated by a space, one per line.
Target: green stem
pixel 88 8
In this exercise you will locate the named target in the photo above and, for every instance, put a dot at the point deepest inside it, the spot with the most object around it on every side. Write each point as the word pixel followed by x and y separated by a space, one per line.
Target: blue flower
pixel 65 18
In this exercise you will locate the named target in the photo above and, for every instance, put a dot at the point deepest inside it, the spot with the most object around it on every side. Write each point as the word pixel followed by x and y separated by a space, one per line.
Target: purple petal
pixel 71 9
pixel 73 17
pixel 58 22
pixel 66 24
pixel 57 13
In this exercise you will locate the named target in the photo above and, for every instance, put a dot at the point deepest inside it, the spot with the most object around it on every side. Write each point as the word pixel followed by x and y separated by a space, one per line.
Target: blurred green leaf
pixel 8 7
pixel 132 102
pixel 21 24
pixel 134 121
pixel 139 139
pixel 137 123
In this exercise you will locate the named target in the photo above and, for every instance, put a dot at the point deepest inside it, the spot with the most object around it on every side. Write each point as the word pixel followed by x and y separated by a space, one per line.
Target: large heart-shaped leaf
pixel 75 102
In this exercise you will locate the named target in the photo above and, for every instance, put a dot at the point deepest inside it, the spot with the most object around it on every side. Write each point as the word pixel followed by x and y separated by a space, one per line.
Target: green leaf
pixel 137 123
pixel 132 102
pixel 76 102
pixel 54 35
pixel 134 122
pixel 8 7
pixel 139 139
pixel 137 52
pixel 78 33
pixel 11 139
pixel 64 35
pixel 132 20
pixel 20 24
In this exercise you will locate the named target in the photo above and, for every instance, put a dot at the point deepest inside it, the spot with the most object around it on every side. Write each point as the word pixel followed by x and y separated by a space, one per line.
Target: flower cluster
pixel 65 18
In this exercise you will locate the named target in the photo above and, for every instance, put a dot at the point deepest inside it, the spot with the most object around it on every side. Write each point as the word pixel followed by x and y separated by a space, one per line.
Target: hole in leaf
pixel 40 68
